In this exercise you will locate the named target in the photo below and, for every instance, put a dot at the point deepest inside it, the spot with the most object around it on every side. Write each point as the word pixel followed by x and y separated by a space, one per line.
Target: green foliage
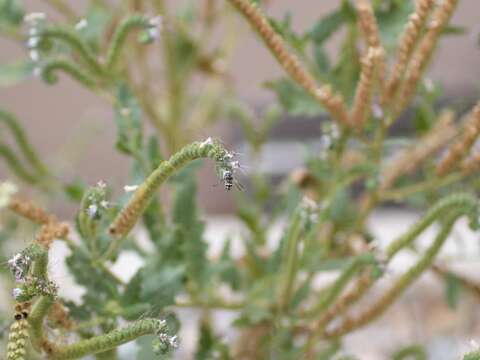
pixel 129 125
pixel 294 231
pixel 11 14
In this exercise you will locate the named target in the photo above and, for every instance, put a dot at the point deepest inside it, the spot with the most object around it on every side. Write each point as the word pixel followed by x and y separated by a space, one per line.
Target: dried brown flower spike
pixel 368 24
pixel 363 95
pixel 458 150
pixel 423 53
pixel 408 43
pixel 334 103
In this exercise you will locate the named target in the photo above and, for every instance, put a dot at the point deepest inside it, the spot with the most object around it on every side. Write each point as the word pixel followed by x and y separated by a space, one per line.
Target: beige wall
pixel 54 114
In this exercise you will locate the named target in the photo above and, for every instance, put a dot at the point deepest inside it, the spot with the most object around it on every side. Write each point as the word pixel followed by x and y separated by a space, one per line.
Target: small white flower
pixel 125 111
pixel 173 341
pixel 34 55
pixel 309 204
pixel 377 111
pixel 101 184
pixel 208 141
pixel 429 85
pixel 33 31
pixel 474 344
pixel 334 131
pixel 326 141
pixel 130 188
pixel 92 211
pixel 105 204
pixel 7 189
pixel 82 24
pixel 156 21
pixel 32 42
pixel 34 17
pixel 228 156
pixel 153 33
pixel 16 293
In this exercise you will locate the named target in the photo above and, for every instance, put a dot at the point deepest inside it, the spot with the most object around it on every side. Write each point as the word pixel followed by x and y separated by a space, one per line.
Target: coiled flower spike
pixel 129 215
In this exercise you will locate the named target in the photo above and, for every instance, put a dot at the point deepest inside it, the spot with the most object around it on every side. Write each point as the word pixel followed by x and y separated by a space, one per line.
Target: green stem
pixel 36 318
pixel 378 307
pixel 461 200
pixel 49 69
pixel 340 283
pixel 415 352
pixel 21 139
pixel 129 215
pixel 120 37
pixel 290 258
pixel 41 307
pixel 433 184
pixel 108 341
pixel 15 165
pixel 75 41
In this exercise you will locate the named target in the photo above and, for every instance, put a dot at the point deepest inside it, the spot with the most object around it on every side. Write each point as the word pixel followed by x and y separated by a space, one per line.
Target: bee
pixel 229 181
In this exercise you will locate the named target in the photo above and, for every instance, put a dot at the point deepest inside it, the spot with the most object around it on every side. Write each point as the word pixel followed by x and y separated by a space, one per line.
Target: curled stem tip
pixel 76 43
pixel 50 68
pixel 129 215
pixel 120 37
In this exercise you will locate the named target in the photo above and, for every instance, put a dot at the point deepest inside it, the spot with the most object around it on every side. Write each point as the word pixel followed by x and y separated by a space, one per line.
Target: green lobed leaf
pixel 188 227
pixel 128 117
pixel 160 284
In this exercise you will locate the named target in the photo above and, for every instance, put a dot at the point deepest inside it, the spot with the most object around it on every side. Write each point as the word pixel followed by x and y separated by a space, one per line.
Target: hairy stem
pixel 21 139
pixel 72 69
pixel 75 42
pixel 129 215
pixel 120 37
pixel 379 306
pixel 108 341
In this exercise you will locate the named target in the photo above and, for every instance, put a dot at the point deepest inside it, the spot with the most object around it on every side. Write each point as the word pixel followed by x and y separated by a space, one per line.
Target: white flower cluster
pixel 164 343
pixel 170 341
pixel 35 21
pixel 97 201
pixel 45 288
pixel 331 133
pixel 309 210
pixel 19 265
pixel 16 293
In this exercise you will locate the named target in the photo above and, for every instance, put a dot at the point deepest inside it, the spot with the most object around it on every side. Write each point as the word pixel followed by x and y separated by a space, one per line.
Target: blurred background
pixel 68 120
